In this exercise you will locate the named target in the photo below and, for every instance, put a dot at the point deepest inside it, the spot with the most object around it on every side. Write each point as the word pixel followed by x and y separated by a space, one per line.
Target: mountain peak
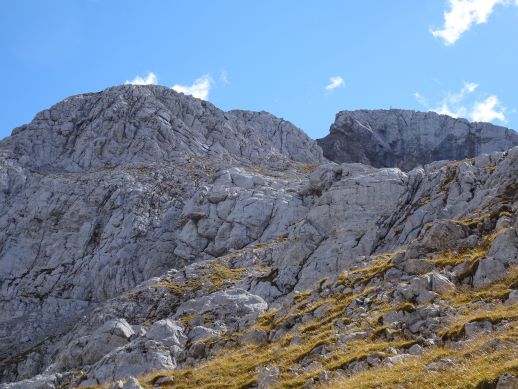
pixel 132 125
pixel 406 138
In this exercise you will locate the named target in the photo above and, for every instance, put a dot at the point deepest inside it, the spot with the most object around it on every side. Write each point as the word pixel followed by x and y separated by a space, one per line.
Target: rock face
pixel 143 232
pixel 406 139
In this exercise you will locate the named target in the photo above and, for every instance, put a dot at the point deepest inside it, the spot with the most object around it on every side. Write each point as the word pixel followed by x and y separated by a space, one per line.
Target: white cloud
pixel 335 82
pixel 150 79
pixel 462 15
pixel 488 110
pixel 199 89
pixel 456 105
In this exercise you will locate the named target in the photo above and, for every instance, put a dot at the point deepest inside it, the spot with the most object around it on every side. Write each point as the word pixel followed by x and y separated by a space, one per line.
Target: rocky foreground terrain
pixel 149 239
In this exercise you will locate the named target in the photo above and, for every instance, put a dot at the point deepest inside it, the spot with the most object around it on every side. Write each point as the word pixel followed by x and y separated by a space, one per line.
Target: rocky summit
pixel 408 139
pixel 149 239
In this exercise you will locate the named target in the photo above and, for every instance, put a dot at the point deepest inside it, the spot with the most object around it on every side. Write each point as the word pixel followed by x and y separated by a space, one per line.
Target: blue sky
pixel 457 56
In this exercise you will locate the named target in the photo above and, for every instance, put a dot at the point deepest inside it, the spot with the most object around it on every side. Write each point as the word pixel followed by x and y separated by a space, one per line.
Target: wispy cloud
pixel 334 83
pixel 421 100
pixel 462 104
pixel 199 89
pixel 150 79
pixel 463 14
pixel 223 76
pixel 451 104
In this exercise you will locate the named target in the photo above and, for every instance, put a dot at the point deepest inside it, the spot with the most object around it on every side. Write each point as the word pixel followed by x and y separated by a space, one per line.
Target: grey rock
pixel 137 358
pixel 228 305
pixel 37 382
pixel 512 298
pixel 117 385
pixel 167 332
pixel 507 382
pixel 132 383
pixel 199 333
pixel 425 288
pixel 505 247
pixel 441 364
pixel 444 235
pixel 394 360
pixel 415 266
pixel 89 349
pixel 164 380
pixel 488 270
pixel 287 138
pixel 474 328
pixel 257 337
pixel 441 284
pixel 415 350
pixel 324 176
pixel 267 377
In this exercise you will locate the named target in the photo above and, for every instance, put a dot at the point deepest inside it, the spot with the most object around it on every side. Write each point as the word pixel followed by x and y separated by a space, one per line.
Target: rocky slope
pixel 148 239
pixel 407 139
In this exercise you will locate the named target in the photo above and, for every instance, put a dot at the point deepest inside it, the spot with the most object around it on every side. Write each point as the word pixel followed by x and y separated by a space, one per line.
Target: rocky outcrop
pixel 195 235
pixel 407 139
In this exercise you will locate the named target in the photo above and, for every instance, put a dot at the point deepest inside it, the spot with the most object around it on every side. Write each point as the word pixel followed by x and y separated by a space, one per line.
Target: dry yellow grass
pixel 236 366
pixel 380 264
pixel 474 362
pixel 480 361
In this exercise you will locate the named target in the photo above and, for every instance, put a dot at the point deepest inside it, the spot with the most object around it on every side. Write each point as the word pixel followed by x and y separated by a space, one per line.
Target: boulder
pixel 488 271
pixel 140 357
pixel 167 332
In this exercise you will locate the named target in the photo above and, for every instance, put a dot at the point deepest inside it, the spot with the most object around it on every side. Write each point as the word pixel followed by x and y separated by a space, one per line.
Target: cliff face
pixel 407 139
pixel 149 237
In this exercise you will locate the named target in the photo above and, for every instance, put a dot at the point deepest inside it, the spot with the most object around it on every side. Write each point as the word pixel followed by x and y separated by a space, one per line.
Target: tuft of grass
pixel 364 275
pixel 454 258
pixel 220 274
pixel 302 296
pixel 406 307
pixel 308 167
pixel 424 201
pixel 214 277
